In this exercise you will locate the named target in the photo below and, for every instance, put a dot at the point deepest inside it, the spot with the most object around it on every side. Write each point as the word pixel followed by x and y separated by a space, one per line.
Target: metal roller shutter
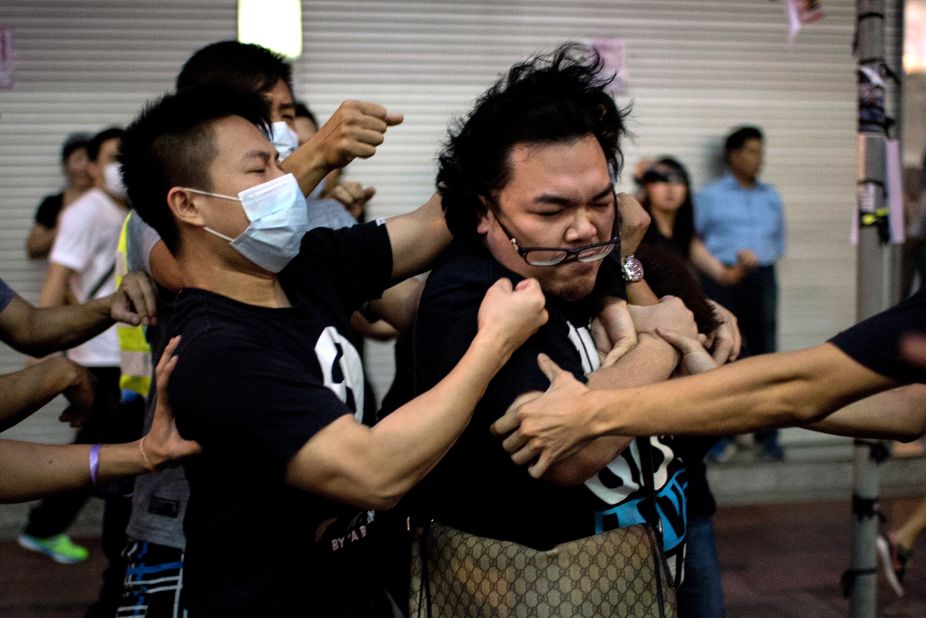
pixel 695 68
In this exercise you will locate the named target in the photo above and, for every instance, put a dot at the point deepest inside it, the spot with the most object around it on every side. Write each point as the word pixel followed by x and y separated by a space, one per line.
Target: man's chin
pixel 574 289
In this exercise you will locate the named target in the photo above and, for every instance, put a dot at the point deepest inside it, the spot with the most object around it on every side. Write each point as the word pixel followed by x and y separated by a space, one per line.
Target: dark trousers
pixel 110 422
pixel 754 302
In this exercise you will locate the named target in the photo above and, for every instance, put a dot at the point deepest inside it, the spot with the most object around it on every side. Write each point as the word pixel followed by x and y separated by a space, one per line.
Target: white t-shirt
pixel 87 239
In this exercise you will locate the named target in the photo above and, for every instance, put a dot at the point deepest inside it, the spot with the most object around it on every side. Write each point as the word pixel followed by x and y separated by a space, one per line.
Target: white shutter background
pixel 695 68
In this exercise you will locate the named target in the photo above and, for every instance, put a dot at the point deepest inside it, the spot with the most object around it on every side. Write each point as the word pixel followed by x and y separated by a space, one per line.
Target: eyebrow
pixel 559 200
pixel 287 106
pixel 257 154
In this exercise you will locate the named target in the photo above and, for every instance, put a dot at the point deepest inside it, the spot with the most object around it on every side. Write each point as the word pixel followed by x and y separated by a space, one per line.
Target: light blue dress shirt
pixel 729 218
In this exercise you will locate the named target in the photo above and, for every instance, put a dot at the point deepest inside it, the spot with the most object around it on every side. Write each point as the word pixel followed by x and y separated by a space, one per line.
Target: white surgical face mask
pixel 112 180
pixel 284 139
pixel 278 216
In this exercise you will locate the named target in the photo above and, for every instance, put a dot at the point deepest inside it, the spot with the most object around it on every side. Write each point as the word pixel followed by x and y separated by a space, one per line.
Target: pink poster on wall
pixel 613 56
pixel 6 57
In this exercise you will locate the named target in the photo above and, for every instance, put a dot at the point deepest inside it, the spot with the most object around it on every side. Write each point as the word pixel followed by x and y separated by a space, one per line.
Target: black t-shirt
pixel 253 385
pixel 477 488
pixel 49 209
pixel 875 342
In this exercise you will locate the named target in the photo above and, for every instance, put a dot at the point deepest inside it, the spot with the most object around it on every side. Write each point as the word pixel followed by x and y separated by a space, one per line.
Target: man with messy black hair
pixel 527 182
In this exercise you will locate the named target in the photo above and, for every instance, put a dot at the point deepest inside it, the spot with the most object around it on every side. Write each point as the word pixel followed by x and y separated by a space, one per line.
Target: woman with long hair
pixel 667 197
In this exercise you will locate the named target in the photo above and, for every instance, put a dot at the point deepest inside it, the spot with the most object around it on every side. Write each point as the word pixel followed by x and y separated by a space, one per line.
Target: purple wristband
pixel 94 462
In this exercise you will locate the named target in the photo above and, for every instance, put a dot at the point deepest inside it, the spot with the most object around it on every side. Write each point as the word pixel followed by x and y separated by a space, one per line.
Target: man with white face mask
pixel 81 266
pixel 279 521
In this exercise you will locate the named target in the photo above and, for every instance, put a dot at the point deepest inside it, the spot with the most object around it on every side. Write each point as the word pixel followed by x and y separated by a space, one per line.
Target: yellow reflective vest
pixel 135 352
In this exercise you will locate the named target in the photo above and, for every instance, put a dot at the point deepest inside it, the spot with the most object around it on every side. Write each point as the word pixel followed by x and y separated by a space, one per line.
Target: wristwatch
pixel 631 269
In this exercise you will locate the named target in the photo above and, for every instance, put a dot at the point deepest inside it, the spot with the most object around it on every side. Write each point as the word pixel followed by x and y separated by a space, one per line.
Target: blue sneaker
pixel 59 548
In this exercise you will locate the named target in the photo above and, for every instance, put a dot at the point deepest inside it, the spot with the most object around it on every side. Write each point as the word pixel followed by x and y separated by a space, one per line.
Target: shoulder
pixel 468 266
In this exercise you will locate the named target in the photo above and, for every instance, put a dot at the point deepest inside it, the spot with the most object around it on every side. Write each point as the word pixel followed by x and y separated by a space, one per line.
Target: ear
pixel 483 221
pixel 181 204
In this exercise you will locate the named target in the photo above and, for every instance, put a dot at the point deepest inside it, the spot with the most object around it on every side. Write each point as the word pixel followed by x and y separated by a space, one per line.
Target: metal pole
pixel 875 292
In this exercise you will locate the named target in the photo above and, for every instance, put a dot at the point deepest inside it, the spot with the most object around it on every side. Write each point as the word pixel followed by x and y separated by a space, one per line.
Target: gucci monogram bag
pixel 619 573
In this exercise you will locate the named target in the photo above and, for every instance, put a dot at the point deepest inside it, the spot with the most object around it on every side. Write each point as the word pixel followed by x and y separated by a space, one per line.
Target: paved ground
pixel 779 561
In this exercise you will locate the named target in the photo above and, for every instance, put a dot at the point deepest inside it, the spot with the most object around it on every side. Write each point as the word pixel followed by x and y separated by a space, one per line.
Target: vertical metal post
pixel 876 290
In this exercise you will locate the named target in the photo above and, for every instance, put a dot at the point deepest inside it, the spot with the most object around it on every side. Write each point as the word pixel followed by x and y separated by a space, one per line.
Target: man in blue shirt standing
pixel 741 219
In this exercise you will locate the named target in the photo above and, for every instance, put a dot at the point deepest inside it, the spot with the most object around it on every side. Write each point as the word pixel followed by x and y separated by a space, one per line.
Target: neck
pixel 747 182
pixel 665 220
pixel 205 268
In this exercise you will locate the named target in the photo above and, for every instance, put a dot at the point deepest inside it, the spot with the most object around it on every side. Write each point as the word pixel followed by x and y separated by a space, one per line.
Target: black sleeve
pixel 49 209
pixel 447 324
pixel 875 342
pixel 237 398
pixel 355 261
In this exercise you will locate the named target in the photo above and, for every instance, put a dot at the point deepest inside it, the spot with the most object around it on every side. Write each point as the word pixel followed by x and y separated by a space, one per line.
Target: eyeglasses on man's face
pixel 551 256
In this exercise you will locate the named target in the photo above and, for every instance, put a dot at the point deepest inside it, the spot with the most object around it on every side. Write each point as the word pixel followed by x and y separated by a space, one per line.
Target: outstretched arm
pixel 773 390
pixel 374 467
pixel 31 470
pixel 354 130
pixel 417 238
pixel 27 390
pixel 40 331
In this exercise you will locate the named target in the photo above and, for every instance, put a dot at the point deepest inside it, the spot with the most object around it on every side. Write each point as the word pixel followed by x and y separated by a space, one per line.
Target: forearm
pixel 27 390
pixel 307 164
pixel 639 293
pixel 417 238
pixel 651 361
pixel 55 287
pixel 60 327
pixel 31 471
pixel 40 241
pixel 415 437
pixel 385 461
pixel 897 414
pixel 762 392
pixel 711 267
pixel 399 304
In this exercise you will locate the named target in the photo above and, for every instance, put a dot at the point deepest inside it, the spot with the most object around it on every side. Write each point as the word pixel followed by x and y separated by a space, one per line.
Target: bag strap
pixel 645 448
pixel 100 282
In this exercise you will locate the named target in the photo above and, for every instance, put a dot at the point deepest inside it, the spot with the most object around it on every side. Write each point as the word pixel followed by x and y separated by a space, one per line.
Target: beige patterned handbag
pixel 620 572
pixel 617 573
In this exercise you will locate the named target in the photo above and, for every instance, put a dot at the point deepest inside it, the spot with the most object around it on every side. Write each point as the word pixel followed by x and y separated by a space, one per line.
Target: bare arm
pixel 31 470
pixel 40 331
pixel 773 390
pixel 27 390
pixel 374 467
pixel 710 266
pixel 897 414
pixel 40 240
pixel 651 360
pixel 354 130
pixel 399 304
pixel 55 288
pixel 417 238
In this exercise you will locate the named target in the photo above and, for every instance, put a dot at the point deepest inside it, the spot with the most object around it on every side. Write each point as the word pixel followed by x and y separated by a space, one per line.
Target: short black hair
pixel 96 142
pixel 739 136
pixel 554 98
pixel 303 111
pixel 171 143
pixel 241 66
pixel 72 143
